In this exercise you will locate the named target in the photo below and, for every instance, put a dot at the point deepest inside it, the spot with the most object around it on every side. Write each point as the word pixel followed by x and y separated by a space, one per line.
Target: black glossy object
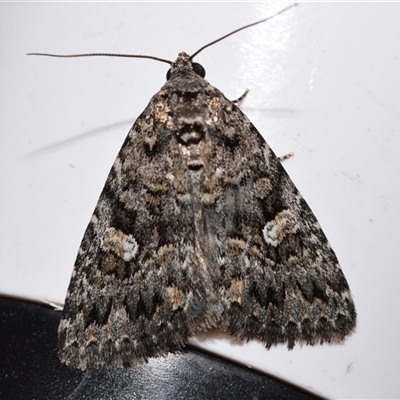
pixel 30 369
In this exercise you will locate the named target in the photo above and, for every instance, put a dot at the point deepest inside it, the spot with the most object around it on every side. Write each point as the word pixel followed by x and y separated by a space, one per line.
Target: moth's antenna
pixel 102 55
pixel 240 29
pixel 157 58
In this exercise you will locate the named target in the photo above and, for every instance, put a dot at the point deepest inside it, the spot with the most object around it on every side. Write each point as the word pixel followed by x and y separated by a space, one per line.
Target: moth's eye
pixel 198 69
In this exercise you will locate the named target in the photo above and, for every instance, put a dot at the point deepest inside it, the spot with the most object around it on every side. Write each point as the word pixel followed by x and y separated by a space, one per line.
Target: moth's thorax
pixel 190 120
pixel 185 103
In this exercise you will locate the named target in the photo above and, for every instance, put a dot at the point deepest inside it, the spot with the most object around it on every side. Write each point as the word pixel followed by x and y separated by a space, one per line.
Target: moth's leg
pixel 286 156
pixel 241 98
pixel 238 101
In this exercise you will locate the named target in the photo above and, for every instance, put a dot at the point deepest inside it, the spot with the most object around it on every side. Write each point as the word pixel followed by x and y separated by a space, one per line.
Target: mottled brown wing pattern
pixel 198 227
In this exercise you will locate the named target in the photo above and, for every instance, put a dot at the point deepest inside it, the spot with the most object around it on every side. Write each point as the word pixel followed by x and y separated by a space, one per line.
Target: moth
pixel 198 227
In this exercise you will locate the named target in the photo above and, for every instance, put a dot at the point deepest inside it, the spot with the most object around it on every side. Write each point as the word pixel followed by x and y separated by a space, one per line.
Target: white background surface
pixel 325 83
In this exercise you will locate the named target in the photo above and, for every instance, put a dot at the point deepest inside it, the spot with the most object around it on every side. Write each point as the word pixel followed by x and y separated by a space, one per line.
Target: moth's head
pixel 184 64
